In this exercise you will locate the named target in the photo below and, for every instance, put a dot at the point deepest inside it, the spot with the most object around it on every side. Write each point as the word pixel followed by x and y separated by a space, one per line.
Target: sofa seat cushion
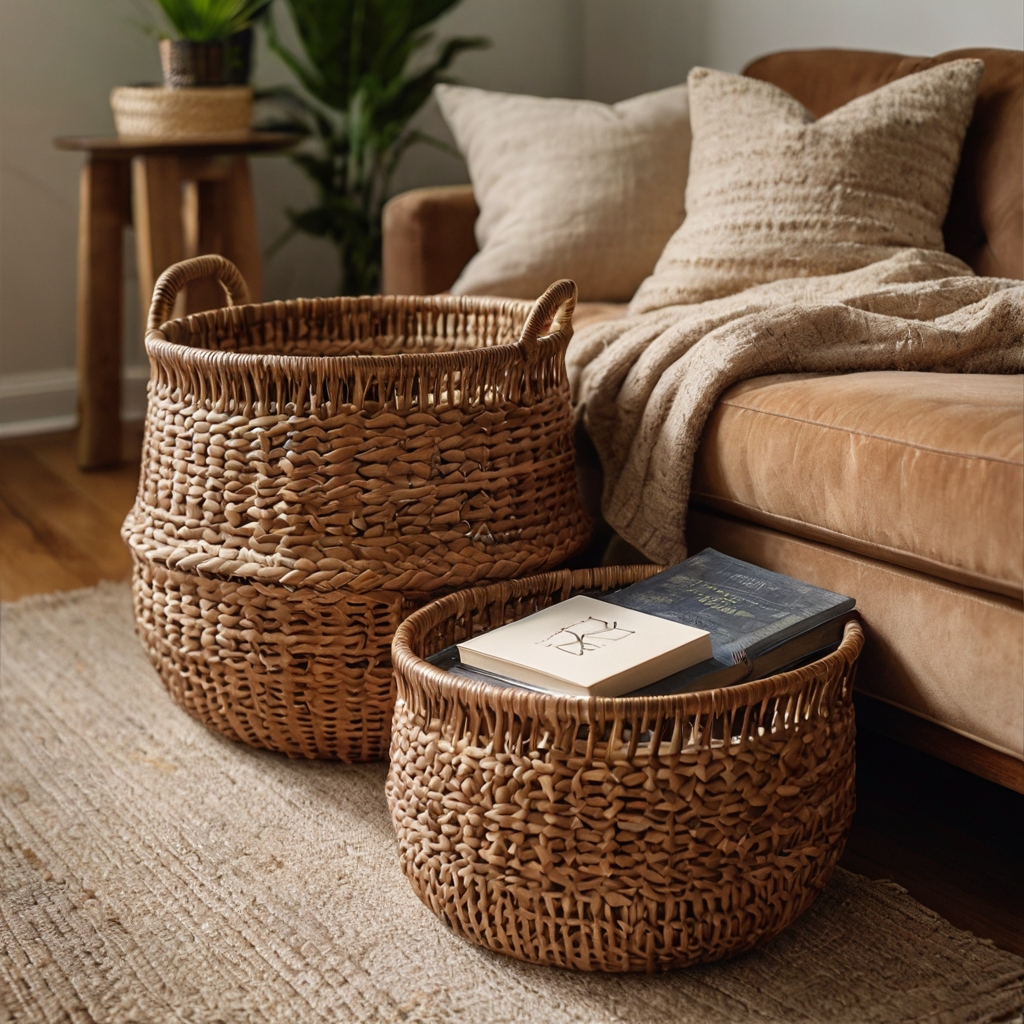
pixel 922 470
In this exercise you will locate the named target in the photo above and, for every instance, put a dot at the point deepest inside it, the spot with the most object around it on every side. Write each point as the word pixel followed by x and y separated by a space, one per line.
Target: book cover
pixel 746 610
pixel 448 659
pixel 706 675
pixel 587 647
pixel 799 649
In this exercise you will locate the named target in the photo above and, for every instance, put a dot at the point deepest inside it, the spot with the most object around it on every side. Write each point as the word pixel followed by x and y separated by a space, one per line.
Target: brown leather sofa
pixel 905 490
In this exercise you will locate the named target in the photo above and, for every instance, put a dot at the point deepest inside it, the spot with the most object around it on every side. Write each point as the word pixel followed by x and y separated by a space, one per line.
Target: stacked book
pixel 707 622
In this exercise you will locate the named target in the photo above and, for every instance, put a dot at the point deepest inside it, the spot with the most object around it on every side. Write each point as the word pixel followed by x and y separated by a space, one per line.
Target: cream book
pixel 585 647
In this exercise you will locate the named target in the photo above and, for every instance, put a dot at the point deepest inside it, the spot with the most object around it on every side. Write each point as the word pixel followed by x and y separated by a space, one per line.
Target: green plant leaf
pixel 203 21
pixel 413 92
pixel 356 69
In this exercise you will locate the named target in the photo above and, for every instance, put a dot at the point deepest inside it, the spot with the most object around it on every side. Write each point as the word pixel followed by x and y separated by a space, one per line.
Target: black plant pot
pixel 187 64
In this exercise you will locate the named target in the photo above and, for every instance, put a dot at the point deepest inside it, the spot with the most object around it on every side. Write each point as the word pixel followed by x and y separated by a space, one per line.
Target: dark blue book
pixel 747 610
pixel 799 649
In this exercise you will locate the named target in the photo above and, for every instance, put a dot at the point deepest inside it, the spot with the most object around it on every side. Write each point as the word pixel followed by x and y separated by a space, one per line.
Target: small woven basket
pixel 314 470
pixel 614 834
pixel 159 112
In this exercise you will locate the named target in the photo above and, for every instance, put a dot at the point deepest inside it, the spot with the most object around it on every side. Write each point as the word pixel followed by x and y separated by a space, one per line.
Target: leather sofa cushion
pixel 922 470
pixel 428 239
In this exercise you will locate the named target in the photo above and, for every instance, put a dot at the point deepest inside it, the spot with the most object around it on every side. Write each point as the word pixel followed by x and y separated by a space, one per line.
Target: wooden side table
pixel 185 199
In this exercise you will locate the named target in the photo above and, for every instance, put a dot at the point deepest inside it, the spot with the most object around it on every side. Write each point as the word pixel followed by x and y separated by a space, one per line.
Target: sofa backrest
pixel 985 223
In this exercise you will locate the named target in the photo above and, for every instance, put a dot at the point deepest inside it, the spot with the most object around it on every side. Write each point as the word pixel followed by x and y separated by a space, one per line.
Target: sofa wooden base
pixel 930 738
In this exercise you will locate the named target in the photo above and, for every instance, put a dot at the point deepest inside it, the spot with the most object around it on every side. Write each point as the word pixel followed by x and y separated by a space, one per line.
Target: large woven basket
pixel 314 470
pixel 628 834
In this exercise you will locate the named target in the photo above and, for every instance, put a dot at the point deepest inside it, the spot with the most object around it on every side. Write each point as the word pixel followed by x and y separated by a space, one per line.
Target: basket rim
pixel 439 683
pixel 165 350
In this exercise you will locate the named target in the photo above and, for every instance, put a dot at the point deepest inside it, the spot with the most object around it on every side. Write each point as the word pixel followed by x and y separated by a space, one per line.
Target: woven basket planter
pixel 629 834
pixel 158 112
pixel 314 470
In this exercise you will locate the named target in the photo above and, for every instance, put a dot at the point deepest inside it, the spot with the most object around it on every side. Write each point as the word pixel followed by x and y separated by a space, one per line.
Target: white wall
pixel 60 58
pixel 635 45
pixel 58 62
pixel 737 31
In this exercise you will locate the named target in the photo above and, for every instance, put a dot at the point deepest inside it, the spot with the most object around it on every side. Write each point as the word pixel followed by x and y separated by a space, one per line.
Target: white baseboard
pixel 45 402
pixel 42 425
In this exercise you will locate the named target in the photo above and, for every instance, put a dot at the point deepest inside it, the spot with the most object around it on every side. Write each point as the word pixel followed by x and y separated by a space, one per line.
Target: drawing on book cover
pixel 588 634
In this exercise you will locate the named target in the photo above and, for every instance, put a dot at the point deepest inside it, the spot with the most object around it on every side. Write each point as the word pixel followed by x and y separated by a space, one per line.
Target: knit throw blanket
pixel 645 384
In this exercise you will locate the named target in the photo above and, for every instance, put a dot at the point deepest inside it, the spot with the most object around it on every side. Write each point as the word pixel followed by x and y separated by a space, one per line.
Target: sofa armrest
pixel 428 239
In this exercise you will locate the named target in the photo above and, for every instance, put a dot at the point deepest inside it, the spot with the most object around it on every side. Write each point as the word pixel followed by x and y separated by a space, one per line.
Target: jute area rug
pixel 152 871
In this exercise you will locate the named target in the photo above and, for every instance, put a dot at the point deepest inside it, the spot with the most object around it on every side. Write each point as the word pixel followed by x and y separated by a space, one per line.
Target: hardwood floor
pixel 953 840
pixel 59 525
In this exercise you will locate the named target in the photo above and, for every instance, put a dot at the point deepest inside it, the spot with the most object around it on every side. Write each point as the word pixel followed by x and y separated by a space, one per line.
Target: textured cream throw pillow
pixel 569 188
pixel 773 193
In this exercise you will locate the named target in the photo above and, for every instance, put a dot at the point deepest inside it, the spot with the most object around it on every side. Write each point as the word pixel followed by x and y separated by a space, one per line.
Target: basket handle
pixel 554 307
pixel 173 279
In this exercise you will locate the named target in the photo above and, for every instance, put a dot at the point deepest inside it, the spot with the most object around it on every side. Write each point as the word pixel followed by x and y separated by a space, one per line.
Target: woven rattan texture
pixel 615 834
pixel 314 469
pixel 304 672
pixel 162 113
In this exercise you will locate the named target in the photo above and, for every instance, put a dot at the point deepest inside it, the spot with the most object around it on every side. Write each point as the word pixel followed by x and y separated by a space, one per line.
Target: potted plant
pixel 364 77
pixel 214 44
pixel 205 71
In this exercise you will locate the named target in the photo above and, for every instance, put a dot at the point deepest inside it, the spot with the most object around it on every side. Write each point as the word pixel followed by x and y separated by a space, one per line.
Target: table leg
pixel 104 211
pixel 159 235
pixel 227 225
pixel 242 244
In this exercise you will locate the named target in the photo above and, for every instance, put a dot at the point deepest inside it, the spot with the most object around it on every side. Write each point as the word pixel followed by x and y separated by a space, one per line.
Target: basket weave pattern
pixel 614 834
pixel 149 111
pixel 313 470
pixel 304 672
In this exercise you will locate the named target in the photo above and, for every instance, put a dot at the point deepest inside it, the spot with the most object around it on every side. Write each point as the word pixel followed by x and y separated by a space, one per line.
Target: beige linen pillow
pixel 773 193
pixel 569 188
